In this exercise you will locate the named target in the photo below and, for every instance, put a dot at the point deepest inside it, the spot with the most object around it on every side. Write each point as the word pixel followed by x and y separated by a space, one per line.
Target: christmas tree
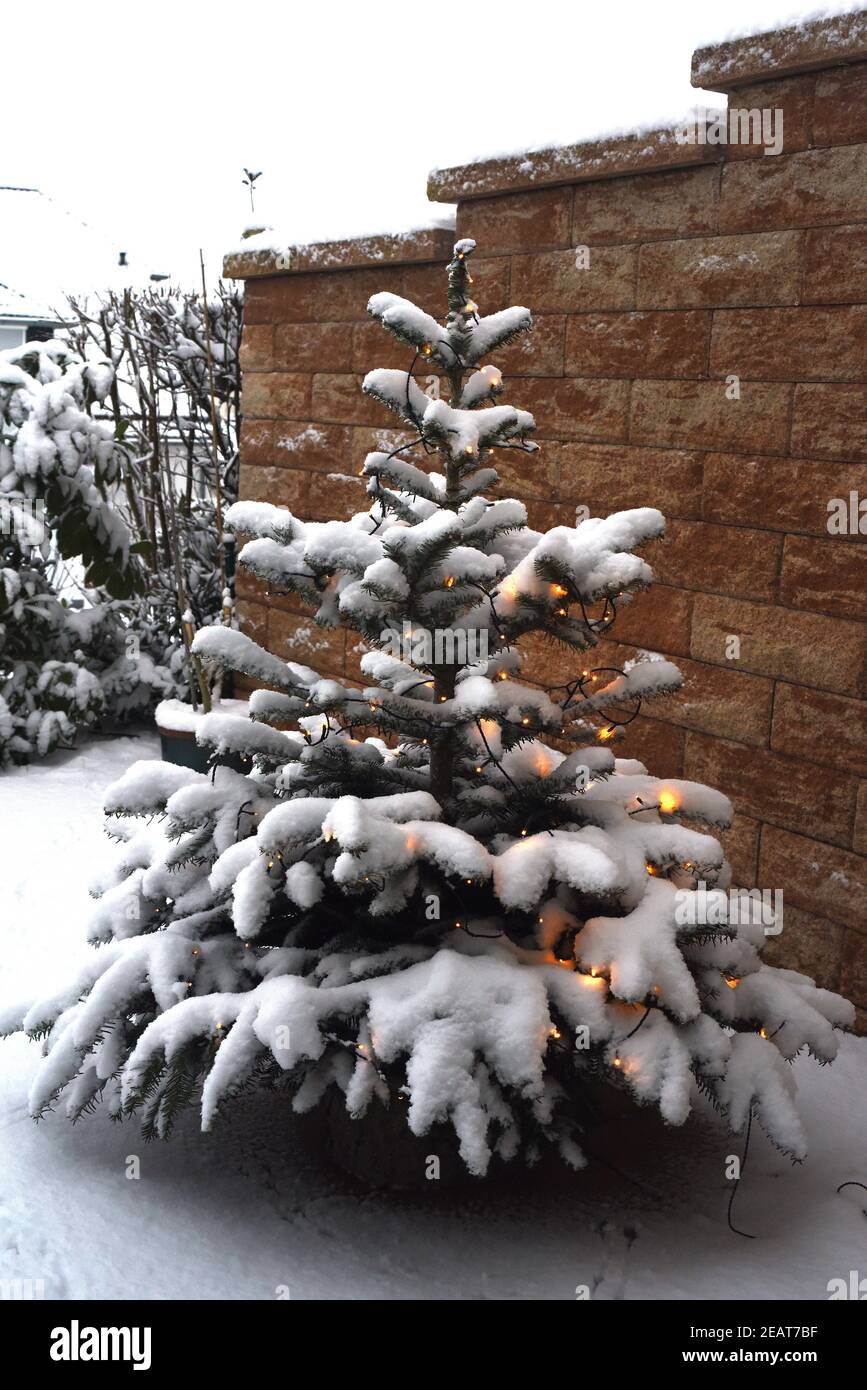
pixel 440 890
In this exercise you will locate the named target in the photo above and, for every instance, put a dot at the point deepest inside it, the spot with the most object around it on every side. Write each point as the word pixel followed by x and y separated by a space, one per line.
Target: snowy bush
pixel 109 450
pixel 439 889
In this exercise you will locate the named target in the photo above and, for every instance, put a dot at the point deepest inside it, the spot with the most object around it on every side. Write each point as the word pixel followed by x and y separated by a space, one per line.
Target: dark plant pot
pixel 179 746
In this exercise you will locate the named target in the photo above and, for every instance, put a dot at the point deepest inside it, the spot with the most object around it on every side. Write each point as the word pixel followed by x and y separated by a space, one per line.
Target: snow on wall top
pixel 640 150
pixel 268 251
pixel 816 42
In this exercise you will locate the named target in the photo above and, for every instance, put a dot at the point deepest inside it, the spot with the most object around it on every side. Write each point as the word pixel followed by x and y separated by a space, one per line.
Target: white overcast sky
pixel 139 117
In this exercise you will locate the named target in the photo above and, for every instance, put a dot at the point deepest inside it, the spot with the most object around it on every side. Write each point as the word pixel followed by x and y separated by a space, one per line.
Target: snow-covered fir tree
pixel 439 889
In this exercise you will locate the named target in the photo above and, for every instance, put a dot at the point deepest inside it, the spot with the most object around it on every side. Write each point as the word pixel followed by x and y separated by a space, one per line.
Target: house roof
pixel 21 308
pixel 47 253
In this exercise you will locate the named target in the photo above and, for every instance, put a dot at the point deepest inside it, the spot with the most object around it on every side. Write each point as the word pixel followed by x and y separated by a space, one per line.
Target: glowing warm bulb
pixel 555 1033
pixel 667 801
pixel 651 869
pixel 471 307
pixel 523 832
pixel 478 769
pixel 450 581
pixel 558 591
pixel 763 1032
pixel 605 734
pixel 525 720
pixel 427 350
pixel 617 1062
pixel 732 982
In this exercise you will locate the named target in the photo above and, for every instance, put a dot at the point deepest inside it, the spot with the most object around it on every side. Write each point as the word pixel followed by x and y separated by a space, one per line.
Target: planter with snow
pixel 177 723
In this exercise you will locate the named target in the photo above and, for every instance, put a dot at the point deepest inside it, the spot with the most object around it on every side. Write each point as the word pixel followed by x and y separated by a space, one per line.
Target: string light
pixel 651 868
pixel 605 734
pixel 617 1062
pixel 555 1033
pixel 763 1032
pixel 731 981
pixel 450 581
pixel 525 720
pixel 667 801
pixel 427 350
pixel 195 951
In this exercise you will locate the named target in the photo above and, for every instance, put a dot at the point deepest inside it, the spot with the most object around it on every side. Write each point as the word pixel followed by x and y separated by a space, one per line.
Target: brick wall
pixel 705 261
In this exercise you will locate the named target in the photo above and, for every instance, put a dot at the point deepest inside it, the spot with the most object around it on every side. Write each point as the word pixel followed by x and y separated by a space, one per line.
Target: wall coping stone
pixel 640 152
pixel 819 43
pixel 351 253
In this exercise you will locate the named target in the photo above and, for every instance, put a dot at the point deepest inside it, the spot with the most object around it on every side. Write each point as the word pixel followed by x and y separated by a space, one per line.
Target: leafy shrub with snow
pixel 109 450
pixel 59 473
pixel 470 911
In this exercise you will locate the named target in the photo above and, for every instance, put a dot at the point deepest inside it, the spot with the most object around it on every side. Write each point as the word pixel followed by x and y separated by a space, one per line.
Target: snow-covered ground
pixel 248 1212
